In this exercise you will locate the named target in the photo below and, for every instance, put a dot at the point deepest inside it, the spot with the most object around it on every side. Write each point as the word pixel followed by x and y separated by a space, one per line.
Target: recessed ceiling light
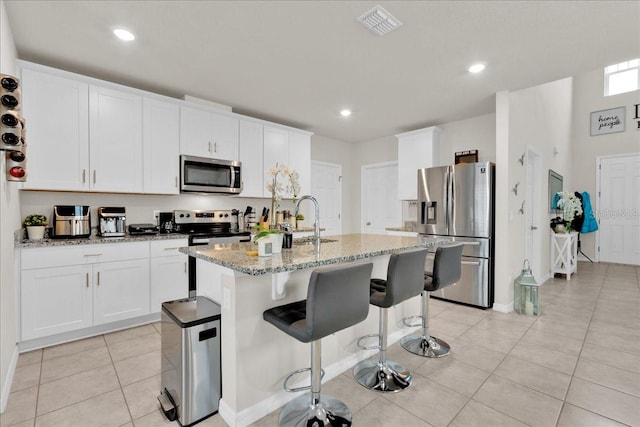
pixel 477 68
pixel 124 35
pixel 345 113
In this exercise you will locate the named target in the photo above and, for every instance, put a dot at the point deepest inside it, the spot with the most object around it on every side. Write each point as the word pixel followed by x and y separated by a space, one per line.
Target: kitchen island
pixel 256 357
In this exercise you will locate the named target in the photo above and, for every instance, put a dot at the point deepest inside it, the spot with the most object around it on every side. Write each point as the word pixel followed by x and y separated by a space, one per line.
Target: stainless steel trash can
pixel 191 387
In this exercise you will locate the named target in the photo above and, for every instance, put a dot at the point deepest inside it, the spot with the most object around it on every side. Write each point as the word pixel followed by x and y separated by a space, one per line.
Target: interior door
pixel 619 204
pixel 381 206
pixel 326 187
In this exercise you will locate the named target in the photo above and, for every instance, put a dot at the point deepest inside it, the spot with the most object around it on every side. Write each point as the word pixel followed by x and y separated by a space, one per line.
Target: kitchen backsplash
pixel 140 207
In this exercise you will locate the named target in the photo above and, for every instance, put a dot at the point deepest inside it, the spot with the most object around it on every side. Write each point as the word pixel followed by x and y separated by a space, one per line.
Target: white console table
pixel 564 253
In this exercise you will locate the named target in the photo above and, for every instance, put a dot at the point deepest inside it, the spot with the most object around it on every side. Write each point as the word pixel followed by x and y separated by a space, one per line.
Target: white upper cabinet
pixel 115 119
pixel 416 150
pixel 300 159
pixel 276 151
pixel 251 154
pixel 161 146
pixel 206 133
pixel 56 110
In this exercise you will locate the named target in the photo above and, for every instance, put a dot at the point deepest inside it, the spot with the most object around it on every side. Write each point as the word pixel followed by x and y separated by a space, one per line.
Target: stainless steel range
pixel 207 227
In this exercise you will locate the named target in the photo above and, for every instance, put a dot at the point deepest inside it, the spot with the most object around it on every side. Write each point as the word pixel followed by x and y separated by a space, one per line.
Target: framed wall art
pixel 608 121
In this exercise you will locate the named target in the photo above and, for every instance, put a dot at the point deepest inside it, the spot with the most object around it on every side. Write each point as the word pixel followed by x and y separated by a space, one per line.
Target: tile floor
pixel 578 364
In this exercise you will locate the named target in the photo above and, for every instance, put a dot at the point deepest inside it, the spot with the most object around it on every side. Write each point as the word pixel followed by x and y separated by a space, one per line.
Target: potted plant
pixel 272 235
pixel 35 224
pixel 299 219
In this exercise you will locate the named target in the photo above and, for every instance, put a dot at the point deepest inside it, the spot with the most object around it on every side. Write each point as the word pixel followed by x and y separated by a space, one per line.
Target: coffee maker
pixel 165 222
pixel 112 222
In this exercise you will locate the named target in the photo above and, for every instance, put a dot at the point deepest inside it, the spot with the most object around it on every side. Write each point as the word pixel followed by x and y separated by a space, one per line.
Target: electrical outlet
pixel 156 215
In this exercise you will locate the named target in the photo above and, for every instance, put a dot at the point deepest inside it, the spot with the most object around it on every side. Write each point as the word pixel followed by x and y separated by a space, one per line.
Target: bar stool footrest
pixel 407 319
pixel 296 389
pixel 370 347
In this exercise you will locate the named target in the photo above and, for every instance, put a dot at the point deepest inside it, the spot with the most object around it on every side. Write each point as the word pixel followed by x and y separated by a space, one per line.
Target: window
pixel 622 77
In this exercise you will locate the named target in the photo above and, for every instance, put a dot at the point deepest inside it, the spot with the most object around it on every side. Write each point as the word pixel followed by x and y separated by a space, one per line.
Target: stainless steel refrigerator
pixel 457 203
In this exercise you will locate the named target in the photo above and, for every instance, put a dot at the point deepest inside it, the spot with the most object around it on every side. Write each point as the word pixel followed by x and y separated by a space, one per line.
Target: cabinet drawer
pixel 167 247
pixel 84 254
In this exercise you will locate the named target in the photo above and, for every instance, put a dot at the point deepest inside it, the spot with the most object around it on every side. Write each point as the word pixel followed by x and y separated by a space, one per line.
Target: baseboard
pixel 263 408
pixel 92 331
pixel 503 308
pixel 6 387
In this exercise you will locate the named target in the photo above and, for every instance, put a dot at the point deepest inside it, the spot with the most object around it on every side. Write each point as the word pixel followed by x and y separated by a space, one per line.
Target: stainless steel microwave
pixel 206 175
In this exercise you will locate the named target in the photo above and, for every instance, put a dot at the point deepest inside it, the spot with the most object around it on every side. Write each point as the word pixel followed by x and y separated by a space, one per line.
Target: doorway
pixel 381 207
pixel 533 210
pixel 618 209
pixel 326 186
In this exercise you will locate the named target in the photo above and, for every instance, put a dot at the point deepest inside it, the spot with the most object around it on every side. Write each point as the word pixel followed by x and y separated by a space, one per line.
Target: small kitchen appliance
pixel 70 221
pixel 165 222
pixel 142 229
pixel 112 222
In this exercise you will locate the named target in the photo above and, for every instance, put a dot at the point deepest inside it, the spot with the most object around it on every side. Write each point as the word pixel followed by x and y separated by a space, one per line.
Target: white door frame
pixel 534 217
pixel 339 195
pixel 362 191
pixel 596 205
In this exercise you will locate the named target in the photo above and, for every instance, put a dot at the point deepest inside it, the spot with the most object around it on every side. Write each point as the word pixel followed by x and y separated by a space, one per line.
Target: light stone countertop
pixel 345 248
pixel 21 242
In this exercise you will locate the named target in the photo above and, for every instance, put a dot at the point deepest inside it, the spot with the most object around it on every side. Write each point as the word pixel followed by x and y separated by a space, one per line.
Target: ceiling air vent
pixel 379 21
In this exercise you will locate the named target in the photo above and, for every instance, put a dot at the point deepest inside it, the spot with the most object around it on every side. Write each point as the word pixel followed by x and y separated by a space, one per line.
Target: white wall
pixel 589 97
pixel 474 133
pixel 540 117
pixel 9 221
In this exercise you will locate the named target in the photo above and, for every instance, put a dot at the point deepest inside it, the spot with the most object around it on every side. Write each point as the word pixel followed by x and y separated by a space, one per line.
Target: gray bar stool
pixel 405 279
pixel 337 298
pixel 446 271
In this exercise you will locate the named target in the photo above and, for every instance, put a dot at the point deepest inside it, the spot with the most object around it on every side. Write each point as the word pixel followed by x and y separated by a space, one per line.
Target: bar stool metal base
pixel 301 413
pixel 425 346
pixel 387 377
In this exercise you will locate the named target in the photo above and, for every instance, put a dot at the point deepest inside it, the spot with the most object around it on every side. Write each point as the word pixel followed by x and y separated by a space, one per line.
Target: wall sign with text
pixel 608 121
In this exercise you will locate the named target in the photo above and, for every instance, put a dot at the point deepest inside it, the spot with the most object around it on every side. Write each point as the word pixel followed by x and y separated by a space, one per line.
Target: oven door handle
pixel 196 241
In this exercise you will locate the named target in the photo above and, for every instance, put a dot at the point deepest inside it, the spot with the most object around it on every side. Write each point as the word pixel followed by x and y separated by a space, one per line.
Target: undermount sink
pixel 310 240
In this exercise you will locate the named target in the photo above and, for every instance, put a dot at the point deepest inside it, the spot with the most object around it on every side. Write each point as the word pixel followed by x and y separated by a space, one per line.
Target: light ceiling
pixel 302 62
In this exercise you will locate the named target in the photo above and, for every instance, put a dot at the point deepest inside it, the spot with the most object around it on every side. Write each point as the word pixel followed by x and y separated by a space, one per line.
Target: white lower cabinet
pixel 65 289
pixel 169 273
pixel 121 290
pixel 56 300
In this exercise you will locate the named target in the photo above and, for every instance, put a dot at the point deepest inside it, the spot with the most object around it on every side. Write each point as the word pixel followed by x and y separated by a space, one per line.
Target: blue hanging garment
pixel 590 223
pixel 554 202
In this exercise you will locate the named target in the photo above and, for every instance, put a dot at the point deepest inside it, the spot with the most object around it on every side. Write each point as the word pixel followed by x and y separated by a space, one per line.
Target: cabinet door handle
pixel 98 281
pixel 215 147
pixel 86 280
pixel 94 176
pixel 176 182
pixel 470 262
pixel 92 254
pixel 84 176
pixel 368 222
pixel 209 146
pixel 171 249
pixel 185 267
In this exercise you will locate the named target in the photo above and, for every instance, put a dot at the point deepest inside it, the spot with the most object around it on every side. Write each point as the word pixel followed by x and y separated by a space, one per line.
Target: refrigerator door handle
pixel 451 208
pixel 470 262
pixel 470 243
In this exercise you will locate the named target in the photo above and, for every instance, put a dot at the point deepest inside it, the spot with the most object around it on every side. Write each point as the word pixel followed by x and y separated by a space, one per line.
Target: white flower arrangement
pixel 277 189
pixel 570 206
